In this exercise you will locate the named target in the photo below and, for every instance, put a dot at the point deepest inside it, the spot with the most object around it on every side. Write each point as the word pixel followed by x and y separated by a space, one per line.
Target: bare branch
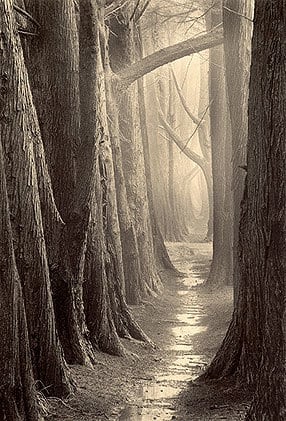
pixel 26 15
pixel 183 100
pixel 196 158
pixel 170 54
pixel 198 125
pixel 114 6
pixel 237 13
pixel 135 10
pixel 141 13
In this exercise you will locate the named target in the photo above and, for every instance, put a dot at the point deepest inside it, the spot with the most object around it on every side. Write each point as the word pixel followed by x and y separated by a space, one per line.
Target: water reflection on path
pixel 155 399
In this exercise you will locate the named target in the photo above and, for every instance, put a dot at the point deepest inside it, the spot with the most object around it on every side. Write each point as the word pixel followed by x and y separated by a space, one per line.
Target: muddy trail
pixel 187 324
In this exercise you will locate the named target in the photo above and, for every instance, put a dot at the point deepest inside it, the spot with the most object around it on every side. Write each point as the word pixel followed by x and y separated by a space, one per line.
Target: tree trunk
pixel 53 63
pixel 221 267
pixel 163 261
pixel 237 32
pixel 95 152
pixel 122 50
pixel 19 134
pixel 17 392
pixel 263 238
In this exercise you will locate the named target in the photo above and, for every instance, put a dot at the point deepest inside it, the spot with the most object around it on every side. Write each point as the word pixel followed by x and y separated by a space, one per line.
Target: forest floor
pixel 187 323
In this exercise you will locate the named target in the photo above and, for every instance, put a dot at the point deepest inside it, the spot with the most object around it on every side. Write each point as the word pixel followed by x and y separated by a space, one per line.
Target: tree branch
pixel 196 158
pixel 114 6
pixel 170 54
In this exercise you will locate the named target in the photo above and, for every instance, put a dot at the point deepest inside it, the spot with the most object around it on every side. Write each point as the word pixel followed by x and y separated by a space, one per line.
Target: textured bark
pixel 134 287
pixel 17 391
pixel 254 347
pixel 19 134
pixel 228 360
pixel 53 63
pixel 264 238
pixel 122 50
pixel 116 319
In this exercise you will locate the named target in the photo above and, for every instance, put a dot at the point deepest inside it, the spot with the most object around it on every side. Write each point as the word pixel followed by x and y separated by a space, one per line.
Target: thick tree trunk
pixel 122 51
pixel 53 63
pixel 264 234
pixel 227 361
pixel 254 347
pixel 95 152
pixel 18 135
pixel 17 392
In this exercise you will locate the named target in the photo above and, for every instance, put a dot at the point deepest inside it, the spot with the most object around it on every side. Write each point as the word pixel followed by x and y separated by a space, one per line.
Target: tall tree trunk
pixel 95 152
pixel 162 257
pixel 18 138
pixel 263 238
pixel 53 63
pixel 237 32
pixel 228 360
pixel 221 270
pixel 17 391
pixel 122 39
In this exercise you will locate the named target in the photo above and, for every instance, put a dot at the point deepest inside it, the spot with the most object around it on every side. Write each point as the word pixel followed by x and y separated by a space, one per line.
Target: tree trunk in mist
pixel 53 64
pixel 221 267
pixel 108 316
pixel 237 32
pixel 122 52
pixel 21 141
pixel 204 139
pixel 162 257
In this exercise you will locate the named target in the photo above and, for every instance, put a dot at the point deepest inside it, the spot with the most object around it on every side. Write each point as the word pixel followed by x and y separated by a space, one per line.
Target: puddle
pixel 155 398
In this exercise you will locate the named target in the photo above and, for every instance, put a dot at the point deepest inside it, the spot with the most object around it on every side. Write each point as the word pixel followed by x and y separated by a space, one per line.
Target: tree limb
pixel 114 6
pixel 170 54
pixel 196 158
pixel 26 15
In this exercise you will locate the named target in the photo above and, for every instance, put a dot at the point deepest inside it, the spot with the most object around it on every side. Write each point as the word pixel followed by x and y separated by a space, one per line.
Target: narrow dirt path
pixel 187 324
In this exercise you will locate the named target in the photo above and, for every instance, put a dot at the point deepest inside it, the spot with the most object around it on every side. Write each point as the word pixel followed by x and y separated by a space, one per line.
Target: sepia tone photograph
pixel 142 210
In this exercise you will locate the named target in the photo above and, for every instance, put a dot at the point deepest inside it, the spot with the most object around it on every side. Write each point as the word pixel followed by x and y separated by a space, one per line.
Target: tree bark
pixel 17 392
pixel 263 237
pixel 122 53
pixel 19 134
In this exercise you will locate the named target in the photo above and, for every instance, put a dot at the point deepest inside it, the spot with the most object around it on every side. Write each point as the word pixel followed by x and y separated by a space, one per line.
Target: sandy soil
pixel 187 324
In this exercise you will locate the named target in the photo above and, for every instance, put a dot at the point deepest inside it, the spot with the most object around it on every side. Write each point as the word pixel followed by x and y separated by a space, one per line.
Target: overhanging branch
pixel 170 54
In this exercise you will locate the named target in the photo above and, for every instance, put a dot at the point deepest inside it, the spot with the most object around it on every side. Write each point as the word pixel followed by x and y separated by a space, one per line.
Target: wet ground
pixel 188 324
pixel 155 398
